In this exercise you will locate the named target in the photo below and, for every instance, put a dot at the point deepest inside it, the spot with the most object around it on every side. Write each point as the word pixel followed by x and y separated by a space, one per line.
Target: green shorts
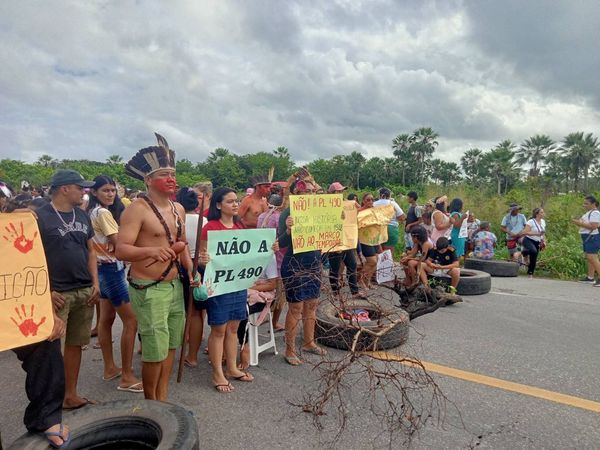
pixel 77 316
pixel 393 236
pixel 160 316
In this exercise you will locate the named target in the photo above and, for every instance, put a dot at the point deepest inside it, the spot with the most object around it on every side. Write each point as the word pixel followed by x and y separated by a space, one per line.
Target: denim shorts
pixel 226 307
pixel 591 243
pixel 113 283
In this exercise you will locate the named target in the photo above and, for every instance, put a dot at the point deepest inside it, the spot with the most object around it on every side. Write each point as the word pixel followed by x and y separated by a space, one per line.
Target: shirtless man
pixel 154 287
pixel 254 205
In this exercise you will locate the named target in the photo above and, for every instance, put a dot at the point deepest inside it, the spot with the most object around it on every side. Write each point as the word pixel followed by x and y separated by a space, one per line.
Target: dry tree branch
pixel 397 390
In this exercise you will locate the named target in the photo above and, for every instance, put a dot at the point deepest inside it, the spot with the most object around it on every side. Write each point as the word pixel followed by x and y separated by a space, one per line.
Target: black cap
pixel 64 177
pixel 514 206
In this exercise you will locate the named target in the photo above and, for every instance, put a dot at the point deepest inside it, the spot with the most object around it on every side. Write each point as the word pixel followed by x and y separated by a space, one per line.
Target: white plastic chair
pixel 253 333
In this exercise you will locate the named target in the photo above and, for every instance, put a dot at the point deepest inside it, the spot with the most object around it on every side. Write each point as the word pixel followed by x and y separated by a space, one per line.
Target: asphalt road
pixel 536 333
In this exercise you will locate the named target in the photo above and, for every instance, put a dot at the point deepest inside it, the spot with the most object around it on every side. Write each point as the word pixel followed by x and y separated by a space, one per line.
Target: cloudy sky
pixel 87 79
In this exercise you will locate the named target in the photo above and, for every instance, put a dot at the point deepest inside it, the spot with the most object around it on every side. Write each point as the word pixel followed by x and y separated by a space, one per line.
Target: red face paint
pixel 167 185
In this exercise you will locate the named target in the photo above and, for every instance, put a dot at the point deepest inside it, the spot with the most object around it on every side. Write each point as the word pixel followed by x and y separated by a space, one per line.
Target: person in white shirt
pixel 188 198
pixel 588 229
pixel 394 225
pixel 534 238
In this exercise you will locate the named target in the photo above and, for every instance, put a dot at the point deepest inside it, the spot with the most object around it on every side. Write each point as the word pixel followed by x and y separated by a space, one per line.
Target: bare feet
pixel 189 362
pixel 244 358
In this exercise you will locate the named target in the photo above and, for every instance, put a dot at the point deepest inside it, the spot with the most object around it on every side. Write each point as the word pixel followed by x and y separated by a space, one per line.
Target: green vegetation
pixel 538 172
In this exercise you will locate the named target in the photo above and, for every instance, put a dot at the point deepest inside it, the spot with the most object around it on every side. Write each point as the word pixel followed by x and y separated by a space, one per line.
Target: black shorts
pixel 368 250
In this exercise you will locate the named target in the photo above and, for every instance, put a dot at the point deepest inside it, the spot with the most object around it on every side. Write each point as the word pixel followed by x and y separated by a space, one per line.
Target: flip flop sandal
pixel 136 388
pixel 315 350
pixel 189 364
pixel 116 375
pixel 60 434
pixel 97 346
pixel 293 360
pixel 244 378
pixel 220 390
pixel 86 402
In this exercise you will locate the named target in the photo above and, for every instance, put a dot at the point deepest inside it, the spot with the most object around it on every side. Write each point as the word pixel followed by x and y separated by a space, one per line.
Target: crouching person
pixel 439 261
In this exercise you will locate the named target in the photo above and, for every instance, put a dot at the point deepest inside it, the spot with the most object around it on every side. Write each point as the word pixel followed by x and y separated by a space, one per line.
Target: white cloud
pixel 90 79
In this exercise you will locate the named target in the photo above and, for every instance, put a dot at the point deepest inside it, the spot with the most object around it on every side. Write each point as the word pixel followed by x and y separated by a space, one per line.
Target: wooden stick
pixel 190 304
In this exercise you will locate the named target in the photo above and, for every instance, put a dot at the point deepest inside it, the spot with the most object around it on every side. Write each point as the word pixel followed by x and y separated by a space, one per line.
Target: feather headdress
pixel 261 179
pixel 150 159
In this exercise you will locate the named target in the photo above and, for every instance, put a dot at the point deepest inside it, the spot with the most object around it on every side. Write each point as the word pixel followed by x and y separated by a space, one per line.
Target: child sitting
pixel 440 261
pixel 484 242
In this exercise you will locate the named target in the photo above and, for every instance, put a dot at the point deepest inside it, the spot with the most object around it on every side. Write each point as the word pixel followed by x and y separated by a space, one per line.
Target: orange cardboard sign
pixel 25 304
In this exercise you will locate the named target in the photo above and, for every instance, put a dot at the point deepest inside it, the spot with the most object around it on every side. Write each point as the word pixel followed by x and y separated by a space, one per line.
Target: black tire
pixel 495 267
pixel 141 424
pixel 333 331
pixel 472 282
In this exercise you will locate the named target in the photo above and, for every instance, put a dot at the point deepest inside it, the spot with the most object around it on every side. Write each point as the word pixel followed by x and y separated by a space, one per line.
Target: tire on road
pixel 124 424
pixel 495 267
pixel 333 331
pixel 472 282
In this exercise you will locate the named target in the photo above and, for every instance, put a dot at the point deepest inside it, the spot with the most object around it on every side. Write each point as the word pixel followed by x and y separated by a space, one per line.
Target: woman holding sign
pixel 301 275
pixel 227 310
pixel 368 251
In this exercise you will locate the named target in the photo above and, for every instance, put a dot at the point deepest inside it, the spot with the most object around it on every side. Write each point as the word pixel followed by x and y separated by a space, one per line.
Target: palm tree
pixel 114 160
pixel 47 161
pixel 217 154
pixel 533 151
pixel 501 164
pixel 583 151
pixel 471 163
pixel 281 152
pixel 355 160
pixel 423 146
pixel 401 147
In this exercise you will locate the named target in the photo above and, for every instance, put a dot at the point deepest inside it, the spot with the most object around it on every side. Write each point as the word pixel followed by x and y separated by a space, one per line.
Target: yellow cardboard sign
pixel 350 227
pixel 25 304
pixel 317 222
pixel 372 224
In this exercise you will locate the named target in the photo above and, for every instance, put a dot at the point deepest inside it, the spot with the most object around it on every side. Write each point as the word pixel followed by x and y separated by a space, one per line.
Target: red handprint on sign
pixel 19 240
pixel 27 325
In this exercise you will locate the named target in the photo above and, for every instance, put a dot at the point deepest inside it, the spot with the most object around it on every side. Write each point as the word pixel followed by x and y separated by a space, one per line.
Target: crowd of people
pixel 136 255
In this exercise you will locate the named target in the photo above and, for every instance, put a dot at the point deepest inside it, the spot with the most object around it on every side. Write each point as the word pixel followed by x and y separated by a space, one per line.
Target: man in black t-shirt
pixel 66 233
pixel 412 218
pixel 441 261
